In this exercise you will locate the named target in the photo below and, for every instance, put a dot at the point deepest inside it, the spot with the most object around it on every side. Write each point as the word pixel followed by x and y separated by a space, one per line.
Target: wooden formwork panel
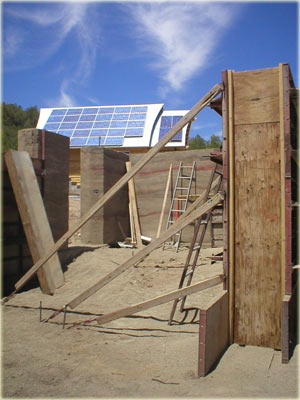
pixel 256 96
pixel 213 334
pixel 257 235
pixel 257 172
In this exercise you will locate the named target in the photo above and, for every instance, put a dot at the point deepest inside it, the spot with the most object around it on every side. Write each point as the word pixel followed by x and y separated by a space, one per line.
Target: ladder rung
pixel 178 210
pixel 186 166
pixel 184 177
pixel 176 198
pixel 203 222
pixel 196 248
pixel 180 188
pixel 189 273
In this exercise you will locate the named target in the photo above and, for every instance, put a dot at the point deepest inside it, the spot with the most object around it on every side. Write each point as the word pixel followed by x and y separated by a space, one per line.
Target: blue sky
pixel 100 53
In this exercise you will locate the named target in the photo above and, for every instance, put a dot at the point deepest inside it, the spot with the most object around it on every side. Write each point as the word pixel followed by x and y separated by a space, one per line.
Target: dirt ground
pixel 134 357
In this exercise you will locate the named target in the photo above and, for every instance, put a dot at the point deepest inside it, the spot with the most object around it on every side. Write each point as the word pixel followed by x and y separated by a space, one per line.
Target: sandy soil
pixel 135 357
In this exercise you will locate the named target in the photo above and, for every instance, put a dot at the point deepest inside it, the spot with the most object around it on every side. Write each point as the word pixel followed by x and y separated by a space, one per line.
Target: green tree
pixel 15 118
pixel 197 142
pixel 215 142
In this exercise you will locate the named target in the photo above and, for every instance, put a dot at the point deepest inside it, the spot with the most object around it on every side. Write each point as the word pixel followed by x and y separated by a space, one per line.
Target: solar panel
pixel 81 132
pixel 106 110
pixel 116 132
pixel 136 123
pixel 77 141
pixel 98 132
pixel 101 124
pixel 139 109
pixel 70 118
pixel 74 111
pixel 51 127
pixel 103 117
pixel 122 109
pixel 55 118
pixel 93 141
pixel 87 117
pixel 109 123
pixel 167 122
pixel 60 111
pixel 118 124
pixel 134 132
pixel 113 141
pixel 93 110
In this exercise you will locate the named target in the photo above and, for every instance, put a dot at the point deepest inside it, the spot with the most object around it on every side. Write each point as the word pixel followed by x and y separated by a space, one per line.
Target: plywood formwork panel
pixel 256 96
pixel 213 333
pixel 257 235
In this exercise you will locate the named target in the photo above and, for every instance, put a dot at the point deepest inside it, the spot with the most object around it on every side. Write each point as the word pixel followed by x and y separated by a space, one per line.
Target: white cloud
pixel 50 26
pixel 12 42
pixel 181 37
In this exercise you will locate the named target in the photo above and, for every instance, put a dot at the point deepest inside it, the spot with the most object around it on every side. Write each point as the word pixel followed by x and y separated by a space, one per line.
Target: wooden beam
pixel 122 181
pixel 34 217
pixel 182 221
pixel 164 201
pixel 231 243
pixel 282 178
pixel 134 209
pixel 145 305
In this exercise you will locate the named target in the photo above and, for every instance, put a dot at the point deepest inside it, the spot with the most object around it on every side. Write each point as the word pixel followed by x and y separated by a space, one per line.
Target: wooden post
pixel 133 208
pixel 231 271
pixel 34 217
pixel 164 201
pixel 123 181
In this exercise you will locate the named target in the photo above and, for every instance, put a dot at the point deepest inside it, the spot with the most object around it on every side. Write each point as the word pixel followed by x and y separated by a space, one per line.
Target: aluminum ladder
pixel 180 198
pixel 199 232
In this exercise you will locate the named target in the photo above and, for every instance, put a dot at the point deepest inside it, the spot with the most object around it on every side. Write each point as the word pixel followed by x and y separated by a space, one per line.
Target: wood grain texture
pixel 164 201
pixel 213 333
pixel 134 209
pixel 34 218
pixel 257 235
pixel 256 95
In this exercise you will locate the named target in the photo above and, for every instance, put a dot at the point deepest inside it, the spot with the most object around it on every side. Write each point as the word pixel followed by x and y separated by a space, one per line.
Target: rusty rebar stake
pixel 40 311
pixel 65 314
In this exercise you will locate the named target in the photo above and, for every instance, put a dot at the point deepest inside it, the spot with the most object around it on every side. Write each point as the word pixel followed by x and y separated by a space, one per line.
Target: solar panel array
pixel 105 125
pixel 167 122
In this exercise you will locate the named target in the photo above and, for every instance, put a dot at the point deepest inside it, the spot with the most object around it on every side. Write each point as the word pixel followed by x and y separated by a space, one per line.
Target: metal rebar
pixel 40 311
pixel 65 312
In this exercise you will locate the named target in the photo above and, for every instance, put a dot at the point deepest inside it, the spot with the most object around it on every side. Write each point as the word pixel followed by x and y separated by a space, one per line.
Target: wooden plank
pixel 257 235
pixel 257 92
pixel 124 312
pixel 34 218
pixel 282 181
pixel 225 127
pixel 134 209
pixel 231 206
pixel 206 99
pixel 182 221
pixel 164 201
pixel 213 334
